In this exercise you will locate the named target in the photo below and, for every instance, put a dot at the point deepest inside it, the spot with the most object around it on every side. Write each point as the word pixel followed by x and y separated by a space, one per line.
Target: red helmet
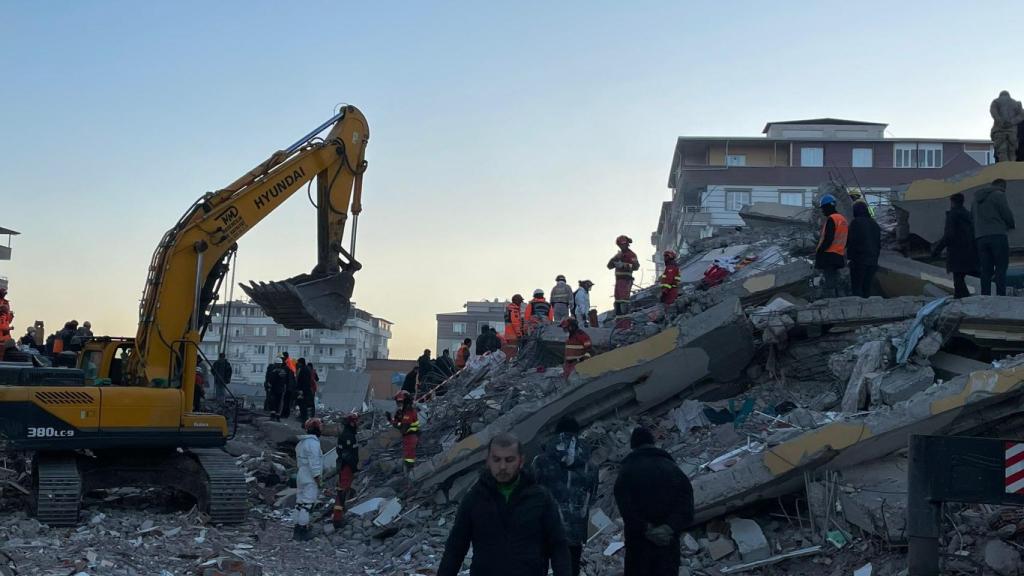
pixel 352 419
pixel 401 396
pixel 623 240
pixel 313 424
pixel 670 255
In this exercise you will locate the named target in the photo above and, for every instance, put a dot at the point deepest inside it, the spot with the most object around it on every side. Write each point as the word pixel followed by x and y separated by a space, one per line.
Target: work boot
pixel 337 517
pixel 297 533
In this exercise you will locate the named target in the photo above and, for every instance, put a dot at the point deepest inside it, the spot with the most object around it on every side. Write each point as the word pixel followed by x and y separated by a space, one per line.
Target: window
pixel 261 330
pixel 261 349
pixel 810 157
pixel 458 327
pixel 736 160
pixel 736 199
pixel 791 197
pixel 862 158
pixel 256 369
pixel 929 156
pixel 282 331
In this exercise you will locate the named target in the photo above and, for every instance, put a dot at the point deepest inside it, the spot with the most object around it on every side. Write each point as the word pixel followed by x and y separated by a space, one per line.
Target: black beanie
pixel 641 437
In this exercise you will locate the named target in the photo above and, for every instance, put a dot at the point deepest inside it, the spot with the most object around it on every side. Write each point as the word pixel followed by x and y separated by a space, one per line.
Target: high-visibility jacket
pixel 538 309
pixel 461 357
pixel 624 263
pixel 407 421
pixel 577 345
pixel 513 321
pixel 291 364
pixel 838 244
pixel 669 279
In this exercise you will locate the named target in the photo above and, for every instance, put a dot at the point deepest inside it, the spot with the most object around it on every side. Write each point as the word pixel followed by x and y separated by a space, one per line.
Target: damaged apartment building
pixel 713 178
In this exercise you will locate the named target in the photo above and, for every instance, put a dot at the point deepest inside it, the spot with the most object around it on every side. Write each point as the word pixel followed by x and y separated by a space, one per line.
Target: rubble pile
pixel 789 413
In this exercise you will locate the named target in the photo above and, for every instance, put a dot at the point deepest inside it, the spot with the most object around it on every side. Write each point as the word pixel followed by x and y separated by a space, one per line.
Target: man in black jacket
pixel 656 502
pixel 512 523
pixel 863 245
pixel 221 376
pixel 958 242
pixel 993 221
pixel 304 391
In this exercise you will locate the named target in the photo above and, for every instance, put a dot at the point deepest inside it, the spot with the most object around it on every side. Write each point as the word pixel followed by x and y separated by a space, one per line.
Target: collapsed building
pixel 790 413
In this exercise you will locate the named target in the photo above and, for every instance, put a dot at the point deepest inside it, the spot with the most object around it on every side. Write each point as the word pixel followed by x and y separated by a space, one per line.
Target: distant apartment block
pixel 255 340
pixel 712 178
pixel 454 327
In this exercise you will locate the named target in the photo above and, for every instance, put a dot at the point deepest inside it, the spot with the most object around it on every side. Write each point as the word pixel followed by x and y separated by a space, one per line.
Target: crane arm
pixel 191 258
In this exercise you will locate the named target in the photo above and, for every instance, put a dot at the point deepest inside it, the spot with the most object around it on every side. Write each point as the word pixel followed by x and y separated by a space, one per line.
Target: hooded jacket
pixel 564 468
pixel 561 293
pixel 864 242
pixel 651 489
pixel 310 459
pixel 519 537
pixel 958 241
pixel 992 215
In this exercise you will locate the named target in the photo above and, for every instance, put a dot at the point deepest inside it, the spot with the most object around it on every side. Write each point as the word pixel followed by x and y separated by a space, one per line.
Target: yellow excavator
pixel 125 415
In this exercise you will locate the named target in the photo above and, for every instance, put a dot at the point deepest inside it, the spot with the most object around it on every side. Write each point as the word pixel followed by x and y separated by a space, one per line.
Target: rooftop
pixel 823 121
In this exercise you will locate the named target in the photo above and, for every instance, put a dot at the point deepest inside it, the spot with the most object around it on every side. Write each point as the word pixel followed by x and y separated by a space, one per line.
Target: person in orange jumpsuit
pixel 538 311
pixel 577 346
pixel 624 263
pixel 463 353
pixel 513 326
pixel 669 280
pixel 407 421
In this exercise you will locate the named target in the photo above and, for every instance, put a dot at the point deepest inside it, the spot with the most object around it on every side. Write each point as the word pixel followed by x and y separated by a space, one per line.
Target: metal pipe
pixel 200 249
pixel 355 227
pixel 302 141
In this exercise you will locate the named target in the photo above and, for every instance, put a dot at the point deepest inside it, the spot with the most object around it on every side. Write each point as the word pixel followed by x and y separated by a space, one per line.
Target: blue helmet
pixel 826 200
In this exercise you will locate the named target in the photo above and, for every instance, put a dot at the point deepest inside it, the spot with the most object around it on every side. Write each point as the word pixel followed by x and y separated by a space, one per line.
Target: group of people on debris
pixel 290 383
pixel 975 242
pixel 70 338
pixel 525 519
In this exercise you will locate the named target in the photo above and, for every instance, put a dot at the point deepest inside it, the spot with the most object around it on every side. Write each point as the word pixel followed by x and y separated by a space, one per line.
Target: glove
pixel 660 535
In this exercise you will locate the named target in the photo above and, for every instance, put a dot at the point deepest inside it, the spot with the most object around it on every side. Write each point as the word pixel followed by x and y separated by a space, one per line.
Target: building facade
pixel 712 178
pixel 454 327
pixel 254 340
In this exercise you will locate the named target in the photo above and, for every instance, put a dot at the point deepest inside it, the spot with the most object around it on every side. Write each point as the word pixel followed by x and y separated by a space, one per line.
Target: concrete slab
pixel 775 215
pixel 749 539
pixel 948 366
pixel 900 276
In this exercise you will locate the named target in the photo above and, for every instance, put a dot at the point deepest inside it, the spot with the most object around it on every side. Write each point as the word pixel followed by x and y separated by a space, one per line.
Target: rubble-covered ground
pixel 771 498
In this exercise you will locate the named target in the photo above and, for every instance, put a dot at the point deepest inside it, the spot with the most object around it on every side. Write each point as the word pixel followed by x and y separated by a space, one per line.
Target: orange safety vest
pixel 461 357
pixel 838 245
pixel 513 322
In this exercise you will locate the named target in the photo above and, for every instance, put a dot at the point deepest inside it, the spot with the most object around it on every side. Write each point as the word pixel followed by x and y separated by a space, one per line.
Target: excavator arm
pixel 191 258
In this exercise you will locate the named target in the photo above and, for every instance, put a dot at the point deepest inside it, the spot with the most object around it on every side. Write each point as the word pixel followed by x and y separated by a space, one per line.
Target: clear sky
pixel 510 142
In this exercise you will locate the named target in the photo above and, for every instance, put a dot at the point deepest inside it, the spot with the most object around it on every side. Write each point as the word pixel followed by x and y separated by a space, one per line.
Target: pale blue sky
pixel 508 143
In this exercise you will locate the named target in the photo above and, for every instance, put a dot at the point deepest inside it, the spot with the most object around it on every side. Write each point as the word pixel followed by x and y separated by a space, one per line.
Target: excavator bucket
pixel 306 300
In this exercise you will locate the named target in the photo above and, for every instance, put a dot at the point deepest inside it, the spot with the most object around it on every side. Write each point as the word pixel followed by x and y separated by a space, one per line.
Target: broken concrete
pixel 1002 557
pixel 713 347
pixel 873 497
pixel 903 383
pixel 950 408
pixel 750 540
pixel 774 215
pixel 872 357
pixel 948 366
pixel 900 276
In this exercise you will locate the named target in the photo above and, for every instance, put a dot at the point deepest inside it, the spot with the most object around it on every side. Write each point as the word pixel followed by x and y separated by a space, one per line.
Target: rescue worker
pixel 80 336
pixel 288 391
pixel 511 522
pixel 993 221
pixel 348 464
pixel 655 499
pixel 564 468
pixel 582 299
pixel 958 242
pixel 538 311
pixel 29 338
pixel 310 459
pixel 513 325
pixel 669 280
pixel 561 298
pixel 5 327
pixel 577 346
pixel 858 198
pixel 304 391
pixel 462 355
pixel 407 421
pixel 426 370
pixel 483 340
pixel 624 263
pixel 3 297
pixel 830 256
pixel 411 378
pixel 67 334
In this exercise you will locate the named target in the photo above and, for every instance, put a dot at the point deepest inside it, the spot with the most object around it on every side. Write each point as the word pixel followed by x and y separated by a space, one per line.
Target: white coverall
pixel 582 306
pixel 310 459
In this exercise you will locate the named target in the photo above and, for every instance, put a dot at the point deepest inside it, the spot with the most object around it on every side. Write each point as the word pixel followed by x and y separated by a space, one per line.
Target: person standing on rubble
pixel 513 324
pixel 221 377
pixel 290 391
pixel 669 280
pixel 538 311
pixel 577 346
pixel 830 256
pixel 348 464
pixel 407 421
pixel 426 370
pixel 310 459
pixel 958 242
pixel 561 298
pixel 512 523
pixel 655 499
pixel 993 220
pixel 304 391
pixel 581 298
pixel 277 388
pixel 462 355
pixel 863 245
pixel 564 468
pixel 624 263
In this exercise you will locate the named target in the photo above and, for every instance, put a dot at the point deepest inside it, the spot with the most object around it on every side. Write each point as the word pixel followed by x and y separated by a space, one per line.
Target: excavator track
pixel 227 491
pixel 58 489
